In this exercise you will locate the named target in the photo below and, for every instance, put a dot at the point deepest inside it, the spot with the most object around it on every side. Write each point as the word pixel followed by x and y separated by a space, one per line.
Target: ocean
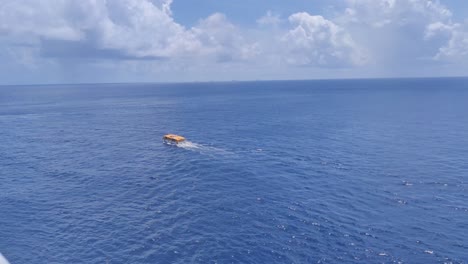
pixel 325 171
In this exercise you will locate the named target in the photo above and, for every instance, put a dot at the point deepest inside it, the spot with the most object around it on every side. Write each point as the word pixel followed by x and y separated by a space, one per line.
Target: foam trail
pixel 3 260
pixel 202 148
pixel 189 145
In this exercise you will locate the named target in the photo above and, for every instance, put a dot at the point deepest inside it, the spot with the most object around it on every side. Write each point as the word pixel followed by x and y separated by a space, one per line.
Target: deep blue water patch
pixel 346 171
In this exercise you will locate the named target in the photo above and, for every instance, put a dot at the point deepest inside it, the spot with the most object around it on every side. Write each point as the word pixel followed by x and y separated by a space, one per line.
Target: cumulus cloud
pixel 222 40
pixel 392 34
pixel 36 19
pixel 317 41
pixel 411 29
pixel 130 27
pixel 119 29
pixel 379 13
pixel 456 48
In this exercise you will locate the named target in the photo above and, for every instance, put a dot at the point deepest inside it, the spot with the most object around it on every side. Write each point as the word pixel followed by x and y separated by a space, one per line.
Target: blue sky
pixel 67 41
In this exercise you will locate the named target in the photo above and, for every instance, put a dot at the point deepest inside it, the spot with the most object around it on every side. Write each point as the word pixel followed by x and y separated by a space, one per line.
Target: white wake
pixel 3 260
pixel 204 149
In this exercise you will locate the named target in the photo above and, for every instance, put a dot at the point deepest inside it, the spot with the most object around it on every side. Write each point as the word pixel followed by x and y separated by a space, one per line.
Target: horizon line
pixel 242 81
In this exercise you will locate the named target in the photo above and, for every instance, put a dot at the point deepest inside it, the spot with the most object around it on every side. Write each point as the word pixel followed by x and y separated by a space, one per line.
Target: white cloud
pixel 132 28
pixel 37 19
pixel 164 5
pixel 437 29
pixel 316 41
pixel 269 19
pixel 380 13
pixel 142 29
pixel 222 40
pixel 456 48
pixel 404 31
pixel 390 34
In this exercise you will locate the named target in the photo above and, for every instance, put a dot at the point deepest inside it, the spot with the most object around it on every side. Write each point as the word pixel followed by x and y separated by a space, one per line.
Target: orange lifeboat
pixel 171 138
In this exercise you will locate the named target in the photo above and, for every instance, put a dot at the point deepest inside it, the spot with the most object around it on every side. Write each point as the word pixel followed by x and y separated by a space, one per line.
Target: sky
pixel 88 41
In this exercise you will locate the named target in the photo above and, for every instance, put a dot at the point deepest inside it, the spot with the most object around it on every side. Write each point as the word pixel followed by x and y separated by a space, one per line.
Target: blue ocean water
pixel 345 171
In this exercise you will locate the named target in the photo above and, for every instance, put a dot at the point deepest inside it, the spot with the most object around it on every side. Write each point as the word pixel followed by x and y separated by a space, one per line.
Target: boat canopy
pixel 174 138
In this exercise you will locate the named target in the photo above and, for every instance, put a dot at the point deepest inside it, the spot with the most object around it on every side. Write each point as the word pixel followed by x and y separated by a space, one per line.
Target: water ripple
pixel 268 175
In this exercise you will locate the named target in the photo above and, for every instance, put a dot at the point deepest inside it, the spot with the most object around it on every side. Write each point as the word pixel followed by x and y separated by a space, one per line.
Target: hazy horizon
pixel 241 81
